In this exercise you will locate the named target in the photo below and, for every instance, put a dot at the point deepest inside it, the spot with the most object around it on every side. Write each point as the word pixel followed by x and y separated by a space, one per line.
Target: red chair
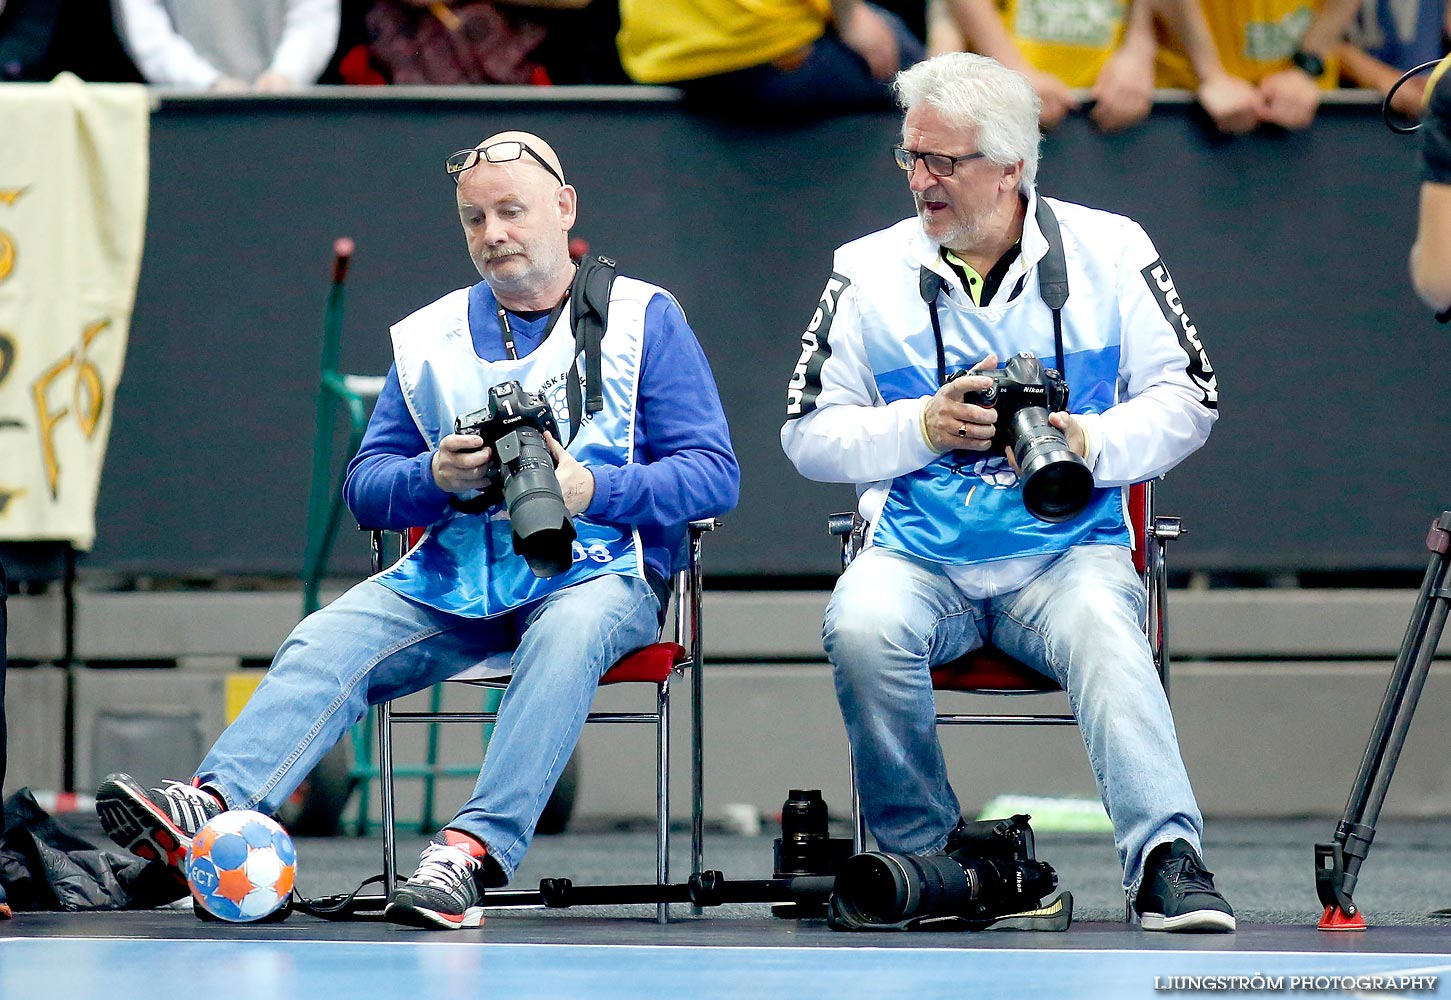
pixel 988 671
pixel 656 665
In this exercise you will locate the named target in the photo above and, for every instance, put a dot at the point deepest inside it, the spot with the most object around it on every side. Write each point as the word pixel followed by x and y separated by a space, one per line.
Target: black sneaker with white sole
pixel 1178 893
pixel 154 823
pixel 446 892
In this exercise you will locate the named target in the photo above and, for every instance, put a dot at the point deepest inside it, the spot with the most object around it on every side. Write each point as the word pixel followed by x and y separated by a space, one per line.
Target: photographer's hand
pixel 948 422
pixel 575 481
pixel 460 463
pixel 1072 430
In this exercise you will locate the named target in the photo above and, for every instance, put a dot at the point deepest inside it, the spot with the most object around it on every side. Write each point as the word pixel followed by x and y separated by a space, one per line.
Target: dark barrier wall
pixel 1289 252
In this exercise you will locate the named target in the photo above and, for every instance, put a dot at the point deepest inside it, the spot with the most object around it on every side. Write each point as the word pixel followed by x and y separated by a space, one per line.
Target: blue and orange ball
pixel 241 866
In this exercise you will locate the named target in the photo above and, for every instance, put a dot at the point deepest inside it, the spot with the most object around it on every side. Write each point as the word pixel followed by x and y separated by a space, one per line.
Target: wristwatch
pixel 1309 62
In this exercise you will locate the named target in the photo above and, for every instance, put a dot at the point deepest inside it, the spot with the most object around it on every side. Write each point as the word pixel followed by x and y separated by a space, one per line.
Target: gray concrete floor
pixel 1264 867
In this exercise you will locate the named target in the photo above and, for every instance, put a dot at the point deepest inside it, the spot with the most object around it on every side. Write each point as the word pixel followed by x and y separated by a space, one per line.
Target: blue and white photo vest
pixel 465 564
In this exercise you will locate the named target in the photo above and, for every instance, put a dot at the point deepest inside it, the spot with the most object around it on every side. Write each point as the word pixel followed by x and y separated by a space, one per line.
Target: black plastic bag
pixel 45 866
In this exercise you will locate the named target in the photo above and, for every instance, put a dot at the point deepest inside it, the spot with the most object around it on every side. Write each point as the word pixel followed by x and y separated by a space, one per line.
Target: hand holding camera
pixel 463 463
pixel 576 483
pixel 950 421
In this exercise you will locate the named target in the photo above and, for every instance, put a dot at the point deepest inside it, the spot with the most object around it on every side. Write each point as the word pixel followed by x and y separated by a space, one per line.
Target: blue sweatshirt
pixel 684 466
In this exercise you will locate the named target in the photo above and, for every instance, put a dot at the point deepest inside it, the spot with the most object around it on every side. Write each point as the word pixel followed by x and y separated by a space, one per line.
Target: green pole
pixel 318 519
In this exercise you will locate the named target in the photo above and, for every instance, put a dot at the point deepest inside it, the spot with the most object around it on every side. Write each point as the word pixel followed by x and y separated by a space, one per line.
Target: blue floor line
pixel 113 968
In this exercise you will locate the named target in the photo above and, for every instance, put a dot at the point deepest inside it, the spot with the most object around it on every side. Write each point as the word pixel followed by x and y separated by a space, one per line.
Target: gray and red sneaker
pixel 154 823
pixel 446 892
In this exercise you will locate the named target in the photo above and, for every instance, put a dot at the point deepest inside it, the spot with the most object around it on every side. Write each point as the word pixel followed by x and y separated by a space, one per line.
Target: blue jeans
pixel 371 645
pixel 1080 622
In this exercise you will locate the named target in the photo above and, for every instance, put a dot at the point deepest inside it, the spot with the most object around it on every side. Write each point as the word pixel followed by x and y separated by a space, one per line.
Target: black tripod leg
pixel 1337 864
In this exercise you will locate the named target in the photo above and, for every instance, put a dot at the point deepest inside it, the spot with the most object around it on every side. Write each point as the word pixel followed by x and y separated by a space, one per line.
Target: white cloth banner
pixel 73 186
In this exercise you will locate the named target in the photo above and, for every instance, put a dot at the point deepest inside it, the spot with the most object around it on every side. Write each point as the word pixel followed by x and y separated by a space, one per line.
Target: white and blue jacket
pixel 1139 383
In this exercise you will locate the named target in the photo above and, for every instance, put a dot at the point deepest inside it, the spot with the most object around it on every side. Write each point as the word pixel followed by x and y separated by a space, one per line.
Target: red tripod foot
pixel 1335 919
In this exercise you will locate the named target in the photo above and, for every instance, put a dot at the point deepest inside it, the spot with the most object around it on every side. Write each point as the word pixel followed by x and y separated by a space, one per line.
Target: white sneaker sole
pixel 1212 921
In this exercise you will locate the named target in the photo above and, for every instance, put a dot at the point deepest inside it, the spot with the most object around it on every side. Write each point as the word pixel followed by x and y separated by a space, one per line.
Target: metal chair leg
pixel 430 763
pixel 858 821
pixel 697 778
pixel 688 635
pixel 662 798
pixel 385 783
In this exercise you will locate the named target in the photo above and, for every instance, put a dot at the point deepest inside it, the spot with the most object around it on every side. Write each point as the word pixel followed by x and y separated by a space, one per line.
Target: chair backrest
pixel 1140 518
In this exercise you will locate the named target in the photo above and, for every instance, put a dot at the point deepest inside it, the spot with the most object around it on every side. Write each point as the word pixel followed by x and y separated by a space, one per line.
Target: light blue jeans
pixel 371 645
pixel 1080 622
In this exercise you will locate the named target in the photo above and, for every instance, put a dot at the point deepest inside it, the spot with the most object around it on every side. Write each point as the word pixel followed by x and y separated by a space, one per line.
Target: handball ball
pixel 241 866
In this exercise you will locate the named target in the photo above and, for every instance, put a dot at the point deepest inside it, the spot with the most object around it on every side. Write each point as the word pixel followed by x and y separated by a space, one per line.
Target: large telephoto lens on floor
pixel 880 888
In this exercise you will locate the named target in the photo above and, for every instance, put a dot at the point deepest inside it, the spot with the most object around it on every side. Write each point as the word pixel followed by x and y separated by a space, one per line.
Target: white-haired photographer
pixel 982 270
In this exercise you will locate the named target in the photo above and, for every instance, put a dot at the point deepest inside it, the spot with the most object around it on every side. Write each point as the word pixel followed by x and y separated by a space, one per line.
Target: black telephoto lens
pixel 1057 484
pixel 543 532
pixel 881 888
pixel 878 887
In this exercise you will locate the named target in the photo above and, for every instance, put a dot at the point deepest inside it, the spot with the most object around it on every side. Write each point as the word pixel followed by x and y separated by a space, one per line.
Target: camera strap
pixel 506 329
pixel 589 309
pixel 1053 276
pixel 1052 285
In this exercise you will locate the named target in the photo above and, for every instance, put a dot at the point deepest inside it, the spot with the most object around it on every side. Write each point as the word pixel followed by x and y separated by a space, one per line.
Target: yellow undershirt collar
pixel 974 280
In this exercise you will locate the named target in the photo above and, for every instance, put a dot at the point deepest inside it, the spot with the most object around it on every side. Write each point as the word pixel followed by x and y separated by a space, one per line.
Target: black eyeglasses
pixel 938 164
pixel 499 152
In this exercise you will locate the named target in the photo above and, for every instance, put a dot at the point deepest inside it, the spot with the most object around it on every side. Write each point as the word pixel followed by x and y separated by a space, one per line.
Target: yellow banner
pixel 73 185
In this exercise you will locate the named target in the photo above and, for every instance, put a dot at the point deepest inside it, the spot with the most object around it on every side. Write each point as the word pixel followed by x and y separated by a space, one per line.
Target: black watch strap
pixel 1309 62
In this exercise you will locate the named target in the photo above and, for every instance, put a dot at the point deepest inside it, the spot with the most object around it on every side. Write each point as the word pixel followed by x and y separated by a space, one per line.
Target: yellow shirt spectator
pixel 665 41
pixel 1254 38
pixel 1072 39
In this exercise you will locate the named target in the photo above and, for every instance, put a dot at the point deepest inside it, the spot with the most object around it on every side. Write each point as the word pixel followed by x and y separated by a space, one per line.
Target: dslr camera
pixel 987 872
pixel 1057 484
pixel 522 475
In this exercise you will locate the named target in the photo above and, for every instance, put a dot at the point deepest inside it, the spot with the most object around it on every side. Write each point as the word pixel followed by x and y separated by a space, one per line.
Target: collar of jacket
pixel 925 253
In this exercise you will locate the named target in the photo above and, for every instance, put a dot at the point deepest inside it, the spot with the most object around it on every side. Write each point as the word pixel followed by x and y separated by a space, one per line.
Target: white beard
pixel 962 233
